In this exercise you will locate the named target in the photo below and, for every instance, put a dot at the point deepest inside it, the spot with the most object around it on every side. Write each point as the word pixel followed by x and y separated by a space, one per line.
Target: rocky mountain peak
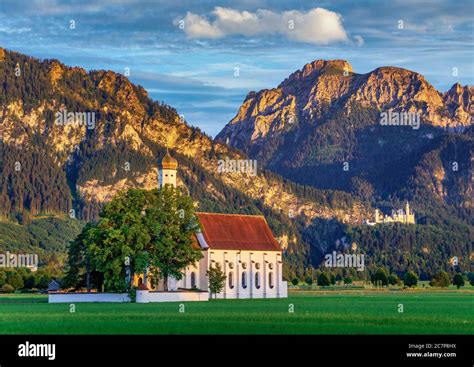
pixel 459 102
pixel 319 67
pixel 325 65
pixel 323 87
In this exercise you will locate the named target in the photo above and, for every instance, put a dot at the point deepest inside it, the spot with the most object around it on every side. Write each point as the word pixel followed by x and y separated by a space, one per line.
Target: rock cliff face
pixel 321 87
pixel 325 116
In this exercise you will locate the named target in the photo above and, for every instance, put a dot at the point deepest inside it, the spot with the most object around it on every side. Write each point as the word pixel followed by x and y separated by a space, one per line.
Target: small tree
pixel 216 280
pixel 411 279
pixel 458 280
pixel 295 281
pixel 332 278
pixel 3 277
pixel 15 279
pixel 324 280
pixel 470 276
pixel 309 280
pixel 393 279
pixel 380 277
pixel 441 280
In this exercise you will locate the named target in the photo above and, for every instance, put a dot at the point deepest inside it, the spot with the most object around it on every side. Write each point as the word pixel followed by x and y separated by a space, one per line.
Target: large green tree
pixel 79 258
pixel 138 230
pixel 171 223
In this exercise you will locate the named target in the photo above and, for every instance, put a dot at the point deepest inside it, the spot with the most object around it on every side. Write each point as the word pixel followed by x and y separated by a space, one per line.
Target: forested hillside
pixel 70 170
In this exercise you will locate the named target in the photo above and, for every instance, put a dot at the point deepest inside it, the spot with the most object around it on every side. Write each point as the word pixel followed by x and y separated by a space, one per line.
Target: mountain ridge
pixel 71 168
pixel 309 93
pixel 74 169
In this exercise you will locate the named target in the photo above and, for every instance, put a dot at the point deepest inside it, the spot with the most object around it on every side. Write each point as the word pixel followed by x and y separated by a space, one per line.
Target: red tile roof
pixel 237 232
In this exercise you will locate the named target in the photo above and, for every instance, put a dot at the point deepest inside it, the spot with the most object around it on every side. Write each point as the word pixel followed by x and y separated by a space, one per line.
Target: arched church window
pixel 270 280
pixel 244 280
pixel 193 280
pixel 231 280
pixel 257 280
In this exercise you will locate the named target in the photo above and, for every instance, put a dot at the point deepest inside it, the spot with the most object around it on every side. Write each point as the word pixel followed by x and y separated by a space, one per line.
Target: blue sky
pixel 185 53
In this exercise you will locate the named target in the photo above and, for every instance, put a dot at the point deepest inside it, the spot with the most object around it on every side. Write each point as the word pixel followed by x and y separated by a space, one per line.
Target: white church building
pixel 243 246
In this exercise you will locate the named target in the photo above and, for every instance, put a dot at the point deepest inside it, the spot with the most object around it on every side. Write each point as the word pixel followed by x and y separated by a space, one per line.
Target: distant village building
pixel 54 286
pixel 406 216
pixel 243 246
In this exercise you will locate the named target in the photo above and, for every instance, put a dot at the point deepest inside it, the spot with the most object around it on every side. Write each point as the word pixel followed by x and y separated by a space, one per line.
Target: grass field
pixel 445 312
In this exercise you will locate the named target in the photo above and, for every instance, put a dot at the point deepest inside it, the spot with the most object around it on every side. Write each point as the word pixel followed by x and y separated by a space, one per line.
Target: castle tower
pixel 167 168
pixel 377 216
pixel 409 214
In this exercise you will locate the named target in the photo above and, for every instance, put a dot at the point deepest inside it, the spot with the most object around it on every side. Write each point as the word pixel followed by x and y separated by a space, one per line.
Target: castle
pixel 406 216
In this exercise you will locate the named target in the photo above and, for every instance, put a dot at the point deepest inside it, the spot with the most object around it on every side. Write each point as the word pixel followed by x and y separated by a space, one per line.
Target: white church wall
pixel 200 278
pixel 250 263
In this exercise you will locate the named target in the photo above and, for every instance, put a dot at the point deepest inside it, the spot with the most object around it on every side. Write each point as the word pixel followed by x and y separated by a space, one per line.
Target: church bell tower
pixel 167 168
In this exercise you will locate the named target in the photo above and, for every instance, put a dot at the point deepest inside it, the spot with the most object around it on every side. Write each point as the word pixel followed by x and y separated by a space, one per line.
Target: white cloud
pixel 359 41
pixel 317 25
pixel 11 30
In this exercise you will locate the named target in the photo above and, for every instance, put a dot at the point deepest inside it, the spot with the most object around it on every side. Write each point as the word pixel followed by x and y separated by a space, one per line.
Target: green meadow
pixel 314 312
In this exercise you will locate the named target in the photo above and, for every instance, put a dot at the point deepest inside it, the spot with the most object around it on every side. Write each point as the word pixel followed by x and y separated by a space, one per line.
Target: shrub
pixel 309 280
pixel 324 280
pixel 7 288
pixel 441 280
pixel 393 279
pixel 295 281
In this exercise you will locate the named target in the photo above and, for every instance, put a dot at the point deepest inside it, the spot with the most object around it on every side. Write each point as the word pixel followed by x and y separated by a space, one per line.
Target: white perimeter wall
pixel 147 296
pixel 88 297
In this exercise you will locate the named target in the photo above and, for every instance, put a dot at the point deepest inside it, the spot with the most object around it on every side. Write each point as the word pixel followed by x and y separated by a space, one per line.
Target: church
pixel 243 246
